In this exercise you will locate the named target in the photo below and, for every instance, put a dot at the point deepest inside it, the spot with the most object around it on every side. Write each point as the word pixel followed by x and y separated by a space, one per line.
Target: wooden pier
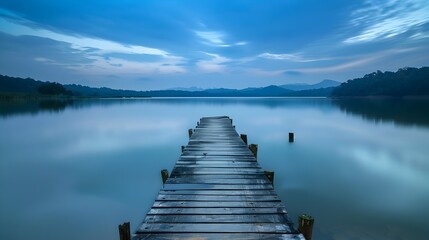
pixel 217 190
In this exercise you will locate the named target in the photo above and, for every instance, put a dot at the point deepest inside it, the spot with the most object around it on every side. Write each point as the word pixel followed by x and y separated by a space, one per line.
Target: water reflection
pixel 92 164
pixel 400 111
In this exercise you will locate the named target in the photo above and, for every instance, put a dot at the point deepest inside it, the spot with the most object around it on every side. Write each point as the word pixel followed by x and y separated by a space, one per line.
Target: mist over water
pixel 77 169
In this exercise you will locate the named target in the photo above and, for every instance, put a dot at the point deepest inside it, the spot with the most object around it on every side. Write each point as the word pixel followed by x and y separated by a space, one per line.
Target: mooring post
pixel 305 226
pixel 198 123
pixel 124 231
pixel 244 138
pixel 164 175
pixel 291 137
pixel 231 120
pixel 254 149
pixel 183 149
pixel 190 131
pixel 270 176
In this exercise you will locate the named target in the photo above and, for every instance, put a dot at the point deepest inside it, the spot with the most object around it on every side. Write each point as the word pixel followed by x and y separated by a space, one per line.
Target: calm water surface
pixel 76 169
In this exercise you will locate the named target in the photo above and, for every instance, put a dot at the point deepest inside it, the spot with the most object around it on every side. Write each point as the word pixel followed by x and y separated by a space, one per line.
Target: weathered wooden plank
pixel 214 153
pixel 235 166
pixel 208 211
pixel 219 176
pixel 219 158
pixel 216 136
pixel 243 181
pixel 260 218
pixel 220 198
pixel 235 142
pixel 214 162
pixel 215 228
pixel 216 187
pixel 218 236
pixel 222 171
pixel 213 171
pixel 215 204
pixel 219 192
pixel 222 148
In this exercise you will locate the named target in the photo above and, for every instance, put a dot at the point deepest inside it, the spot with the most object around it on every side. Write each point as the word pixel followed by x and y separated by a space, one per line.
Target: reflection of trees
pixel 54 105
pixel 399 110
pixel 22 106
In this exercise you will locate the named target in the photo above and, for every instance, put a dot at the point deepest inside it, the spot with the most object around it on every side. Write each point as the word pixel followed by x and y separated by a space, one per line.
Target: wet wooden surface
pixel 217 190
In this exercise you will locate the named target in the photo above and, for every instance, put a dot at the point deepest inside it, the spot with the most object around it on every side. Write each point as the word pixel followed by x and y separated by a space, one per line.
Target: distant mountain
pixel 321 89
pixel 269 91
pixel 32 87
pixel 404 82
pixel 189 89
pixel 303 86
pixel 85 91
pixel 320 92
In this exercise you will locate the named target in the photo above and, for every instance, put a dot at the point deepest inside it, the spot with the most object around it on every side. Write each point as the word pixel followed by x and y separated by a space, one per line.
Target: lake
pixel 76 169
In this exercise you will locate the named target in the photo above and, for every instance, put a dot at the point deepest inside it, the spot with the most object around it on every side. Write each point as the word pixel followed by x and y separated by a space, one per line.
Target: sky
pixel 154 44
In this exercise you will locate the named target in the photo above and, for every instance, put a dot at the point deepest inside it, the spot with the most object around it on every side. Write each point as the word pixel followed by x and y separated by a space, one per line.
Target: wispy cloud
pixel 290 57
pixel 359 61
pixel 111 65
pixel 211 37
pixel 216 39
pixel 95 50
pixel 365 60
pixel 215 64
pixel 77 42
pixel 388 18
pixel 340 67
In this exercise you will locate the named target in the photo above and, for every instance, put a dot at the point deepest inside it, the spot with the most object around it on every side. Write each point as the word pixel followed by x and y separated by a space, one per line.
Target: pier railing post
pixel 190 132
pixel 164 175
pixel 305 226
pixel 183 149
pixel 291 137
pixel 270 176
pixel 254 149
pixel 244 138
pixel 124 231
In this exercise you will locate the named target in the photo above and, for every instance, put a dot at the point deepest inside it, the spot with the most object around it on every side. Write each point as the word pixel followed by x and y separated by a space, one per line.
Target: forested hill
pixel 404 82
pixel 29 86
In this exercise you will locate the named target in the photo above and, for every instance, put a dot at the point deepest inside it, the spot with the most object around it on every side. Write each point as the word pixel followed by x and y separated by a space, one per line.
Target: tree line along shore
pixel 402 83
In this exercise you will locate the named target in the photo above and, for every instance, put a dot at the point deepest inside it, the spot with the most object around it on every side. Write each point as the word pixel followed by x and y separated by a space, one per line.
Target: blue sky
pixel 153 44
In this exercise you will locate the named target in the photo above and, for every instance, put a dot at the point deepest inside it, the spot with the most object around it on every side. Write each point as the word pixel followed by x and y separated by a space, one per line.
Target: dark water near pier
pixel 76 169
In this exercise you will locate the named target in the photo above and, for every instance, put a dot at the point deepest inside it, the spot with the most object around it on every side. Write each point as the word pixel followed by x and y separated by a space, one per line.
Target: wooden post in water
pixel 164 175
pixel 190 131
pixel 270 176
pixel 291 137
pixel 124 231
pixel 305 226
pixel 244 138
pixel 183 149
pixel 254 149
pixel 198 123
